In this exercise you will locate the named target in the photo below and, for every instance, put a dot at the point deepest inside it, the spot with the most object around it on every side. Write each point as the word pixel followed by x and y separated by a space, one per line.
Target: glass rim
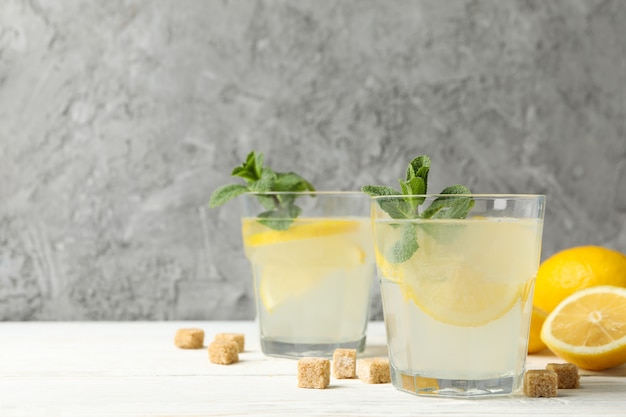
pixel 481 196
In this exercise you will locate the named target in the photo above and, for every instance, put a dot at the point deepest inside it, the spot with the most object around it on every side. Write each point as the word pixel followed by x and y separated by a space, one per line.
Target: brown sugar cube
pixel 540 383
pixel 223 352
pixel 313 373
pixel 567 374
pixel 344 363
pixel 232 337
pixel 373 370
pixel 189 338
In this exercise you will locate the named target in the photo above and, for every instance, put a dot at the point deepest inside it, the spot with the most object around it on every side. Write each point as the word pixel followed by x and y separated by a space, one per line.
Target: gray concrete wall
pixel 119 118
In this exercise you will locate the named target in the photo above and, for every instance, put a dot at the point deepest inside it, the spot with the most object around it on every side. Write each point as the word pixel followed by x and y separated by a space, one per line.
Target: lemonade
pixel 457 311
pixel 311 258
pixel 312 283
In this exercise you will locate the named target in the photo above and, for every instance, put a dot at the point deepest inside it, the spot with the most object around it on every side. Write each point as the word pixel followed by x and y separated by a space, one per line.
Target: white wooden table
pixel 133 369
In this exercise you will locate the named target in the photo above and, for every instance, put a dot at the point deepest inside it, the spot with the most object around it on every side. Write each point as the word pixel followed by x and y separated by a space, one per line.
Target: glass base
pixel 465 388
pixel 299 350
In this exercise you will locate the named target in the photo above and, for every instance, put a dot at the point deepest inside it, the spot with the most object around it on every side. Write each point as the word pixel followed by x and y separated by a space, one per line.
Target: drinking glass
pixel 312 274
pixel 457 293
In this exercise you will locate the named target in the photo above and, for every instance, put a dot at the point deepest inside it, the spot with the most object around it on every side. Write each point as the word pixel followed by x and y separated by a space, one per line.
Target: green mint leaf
pixel 415 183
pixel 455 206
pixel 280 218
pixel 265 182
pixel 225 193
pixel 456 189
pixel 395 207
pixel 404 248
pixel 252 169
pixel 280 203
pixel 280 209
pixel 290 181
pixel 399 208
pixel 419 167
pixel 376 190
pixel 243 173
pixel 423 174
pixel 277 202
pixel 269 202
pixel 418 186
pixel 276 224
pixel 258 162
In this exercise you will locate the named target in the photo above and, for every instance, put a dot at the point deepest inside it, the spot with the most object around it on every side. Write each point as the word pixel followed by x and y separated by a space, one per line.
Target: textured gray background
pixel 119 118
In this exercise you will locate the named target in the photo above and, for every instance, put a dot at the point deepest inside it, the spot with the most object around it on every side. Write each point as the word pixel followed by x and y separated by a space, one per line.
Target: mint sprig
pixel 280 209
pixel 453 203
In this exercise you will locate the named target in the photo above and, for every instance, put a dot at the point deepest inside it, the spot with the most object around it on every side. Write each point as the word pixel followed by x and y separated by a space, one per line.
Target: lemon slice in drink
pixel 279 283
pixel 301 266
pixel 461 297
pixel 386 269
pixel 294 261
pixel 256 234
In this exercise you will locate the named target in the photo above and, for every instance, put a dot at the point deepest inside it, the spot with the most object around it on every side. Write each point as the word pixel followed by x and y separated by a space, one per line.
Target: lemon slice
pixel 461 297
pixel 294 261
pixel 255 234
pixel 588 328
pixel 279 283
pixel 386 269
pixel 302 268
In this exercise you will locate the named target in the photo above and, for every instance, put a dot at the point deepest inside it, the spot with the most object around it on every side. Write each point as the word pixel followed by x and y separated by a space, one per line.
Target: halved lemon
pixel 256 234
pixel 588 328
pixel 462 297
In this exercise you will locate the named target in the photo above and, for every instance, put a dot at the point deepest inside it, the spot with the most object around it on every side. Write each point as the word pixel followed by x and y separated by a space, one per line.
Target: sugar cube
pixel 189 338
pixel 233 337
pixel 223 352
pixel 313 373
pixel 567 374
pixel 373 370
pixel 540 383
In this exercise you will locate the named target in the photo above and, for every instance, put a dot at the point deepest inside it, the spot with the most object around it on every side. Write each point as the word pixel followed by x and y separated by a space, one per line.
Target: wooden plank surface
pixel 133 369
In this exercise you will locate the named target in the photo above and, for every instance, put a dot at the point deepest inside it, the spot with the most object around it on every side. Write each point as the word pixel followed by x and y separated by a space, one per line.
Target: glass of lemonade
pixel 457 310
pixel 313 274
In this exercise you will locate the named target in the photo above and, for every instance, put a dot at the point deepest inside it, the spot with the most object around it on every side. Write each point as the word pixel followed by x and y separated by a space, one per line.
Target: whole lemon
pixel 574 269
pixel 535 344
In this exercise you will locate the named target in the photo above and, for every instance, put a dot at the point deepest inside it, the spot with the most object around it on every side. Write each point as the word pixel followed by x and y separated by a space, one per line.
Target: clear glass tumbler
pixel 457 293
pixel 313 274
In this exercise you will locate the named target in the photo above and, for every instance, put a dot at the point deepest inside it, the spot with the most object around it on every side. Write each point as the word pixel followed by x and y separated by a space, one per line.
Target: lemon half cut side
pixel 588 328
